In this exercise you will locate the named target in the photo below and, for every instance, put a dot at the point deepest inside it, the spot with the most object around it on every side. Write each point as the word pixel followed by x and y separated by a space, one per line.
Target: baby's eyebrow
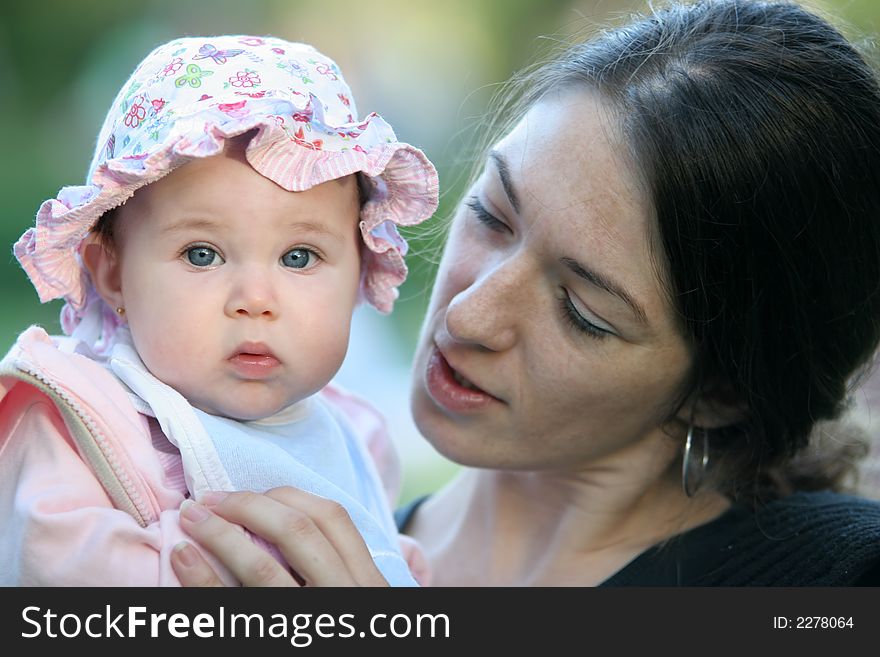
pixel 309 227
pixel 198 223
pixel 190 224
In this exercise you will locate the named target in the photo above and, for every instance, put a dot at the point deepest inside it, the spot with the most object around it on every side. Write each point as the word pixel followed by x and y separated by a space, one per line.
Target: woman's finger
pixel 248 562
pixel 191 568
pixel 315 535
pixel 334 521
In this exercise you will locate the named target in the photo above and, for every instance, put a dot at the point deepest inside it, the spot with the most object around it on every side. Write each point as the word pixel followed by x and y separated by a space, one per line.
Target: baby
pixel 237 211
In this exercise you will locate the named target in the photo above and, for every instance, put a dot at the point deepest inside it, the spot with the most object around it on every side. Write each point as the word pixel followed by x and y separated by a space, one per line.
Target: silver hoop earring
pixel 686 466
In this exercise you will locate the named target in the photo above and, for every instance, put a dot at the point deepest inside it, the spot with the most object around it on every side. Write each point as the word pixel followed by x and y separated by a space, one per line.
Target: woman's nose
pixel 252 295
pixel 488 311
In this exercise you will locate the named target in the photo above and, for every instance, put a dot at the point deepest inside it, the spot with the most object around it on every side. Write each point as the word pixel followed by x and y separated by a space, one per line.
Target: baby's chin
pixel 244 412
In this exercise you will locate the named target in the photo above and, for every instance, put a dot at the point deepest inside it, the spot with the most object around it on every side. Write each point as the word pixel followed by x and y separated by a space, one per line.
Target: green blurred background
pixel 428 67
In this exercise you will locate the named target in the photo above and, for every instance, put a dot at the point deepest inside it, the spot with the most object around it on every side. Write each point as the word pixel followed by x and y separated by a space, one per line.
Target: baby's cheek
pixel 334 354
pixel 173 357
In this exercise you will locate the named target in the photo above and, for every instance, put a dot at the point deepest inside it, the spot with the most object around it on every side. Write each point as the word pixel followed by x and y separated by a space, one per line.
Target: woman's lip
pixel 449 393
pixel 254 366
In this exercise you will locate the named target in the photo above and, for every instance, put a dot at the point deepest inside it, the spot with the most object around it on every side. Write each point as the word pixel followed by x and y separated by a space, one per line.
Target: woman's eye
pixel 485 217
pixel 203 256
pixel 299 259
pixel 576 319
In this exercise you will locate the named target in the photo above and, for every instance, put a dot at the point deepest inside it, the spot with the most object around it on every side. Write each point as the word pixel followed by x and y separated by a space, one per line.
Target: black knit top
pixel 805 539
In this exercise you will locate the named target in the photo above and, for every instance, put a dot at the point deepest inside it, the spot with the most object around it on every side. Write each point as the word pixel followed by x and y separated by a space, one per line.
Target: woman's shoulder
pixel 826 501
pixel 826 514
pixel 814 539
pixel 823 512
pixel 804 539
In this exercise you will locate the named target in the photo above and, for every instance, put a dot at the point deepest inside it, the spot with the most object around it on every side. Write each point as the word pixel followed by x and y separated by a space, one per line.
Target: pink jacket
pixel 83 501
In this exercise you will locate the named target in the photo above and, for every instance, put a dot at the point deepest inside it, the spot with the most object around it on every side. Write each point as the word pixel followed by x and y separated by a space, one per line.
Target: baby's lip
pixel 252 349
pixel 254 361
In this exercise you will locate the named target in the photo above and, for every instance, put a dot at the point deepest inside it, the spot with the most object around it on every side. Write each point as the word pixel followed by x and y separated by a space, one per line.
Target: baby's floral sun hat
pixel 184 101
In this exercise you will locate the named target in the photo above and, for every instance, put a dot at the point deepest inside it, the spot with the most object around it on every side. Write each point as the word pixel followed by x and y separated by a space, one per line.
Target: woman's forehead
pixel 573 139
pixel 566 158
pixel 578 192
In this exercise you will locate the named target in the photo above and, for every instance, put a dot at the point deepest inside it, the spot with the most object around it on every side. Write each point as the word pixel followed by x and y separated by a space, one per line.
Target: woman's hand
pixel 314 535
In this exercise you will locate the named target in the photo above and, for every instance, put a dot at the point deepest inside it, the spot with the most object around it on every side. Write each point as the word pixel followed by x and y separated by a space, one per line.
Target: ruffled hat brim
pixel 403 190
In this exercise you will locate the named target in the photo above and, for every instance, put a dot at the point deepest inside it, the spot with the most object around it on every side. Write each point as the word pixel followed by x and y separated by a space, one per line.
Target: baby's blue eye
pixel 203 256
pixel 299 259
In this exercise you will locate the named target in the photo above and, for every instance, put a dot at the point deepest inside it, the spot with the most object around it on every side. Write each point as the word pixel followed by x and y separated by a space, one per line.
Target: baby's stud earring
pixel 120 311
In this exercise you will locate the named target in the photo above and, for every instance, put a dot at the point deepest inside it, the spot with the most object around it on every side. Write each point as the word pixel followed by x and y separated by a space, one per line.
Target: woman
pixel 651 304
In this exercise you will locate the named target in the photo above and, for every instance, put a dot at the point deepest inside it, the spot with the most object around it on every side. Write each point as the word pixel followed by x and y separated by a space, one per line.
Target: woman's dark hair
pixel 756 130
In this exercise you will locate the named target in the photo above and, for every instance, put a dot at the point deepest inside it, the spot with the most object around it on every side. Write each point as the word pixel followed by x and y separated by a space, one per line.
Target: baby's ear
pixel 102 264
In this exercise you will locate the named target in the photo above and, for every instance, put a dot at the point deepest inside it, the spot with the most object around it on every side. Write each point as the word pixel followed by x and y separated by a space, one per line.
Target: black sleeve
pixel 870 577
pixel 403 515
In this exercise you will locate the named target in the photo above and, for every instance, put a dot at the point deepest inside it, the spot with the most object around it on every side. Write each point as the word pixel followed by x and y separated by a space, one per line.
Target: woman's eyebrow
pixel 504 174
pixel 604 283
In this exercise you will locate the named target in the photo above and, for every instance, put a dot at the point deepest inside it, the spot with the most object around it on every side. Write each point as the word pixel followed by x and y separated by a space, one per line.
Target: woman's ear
pixel 716 407
pixel 102 263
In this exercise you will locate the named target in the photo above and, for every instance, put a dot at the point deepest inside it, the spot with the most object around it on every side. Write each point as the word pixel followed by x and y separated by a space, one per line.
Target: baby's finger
pixel 250 564
pixel 191 567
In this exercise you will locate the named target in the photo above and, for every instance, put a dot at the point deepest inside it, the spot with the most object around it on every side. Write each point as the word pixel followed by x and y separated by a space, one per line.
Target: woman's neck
pixel 553 529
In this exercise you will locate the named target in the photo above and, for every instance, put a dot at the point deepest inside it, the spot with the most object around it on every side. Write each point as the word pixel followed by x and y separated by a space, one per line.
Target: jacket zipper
pixel 120 488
